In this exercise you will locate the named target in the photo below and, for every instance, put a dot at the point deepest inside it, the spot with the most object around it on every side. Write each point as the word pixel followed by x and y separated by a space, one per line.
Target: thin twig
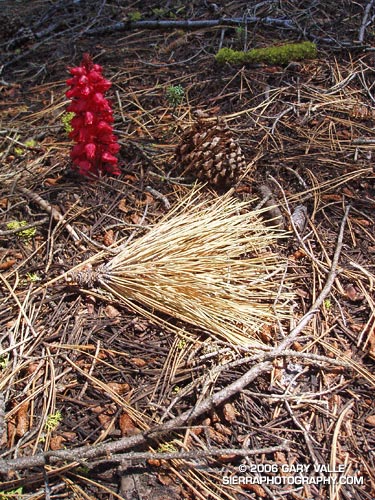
pixel 159 196
pixel 364 24
pixel 54 213
pixel 188 24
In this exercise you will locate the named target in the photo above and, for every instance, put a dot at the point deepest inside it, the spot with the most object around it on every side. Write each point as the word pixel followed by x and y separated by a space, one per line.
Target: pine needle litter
pixel 206 263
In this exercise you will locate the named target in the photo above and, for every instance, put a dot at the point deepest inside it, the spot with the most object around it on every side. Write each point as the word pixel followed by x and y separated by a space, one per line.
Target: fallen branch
pixel 188 24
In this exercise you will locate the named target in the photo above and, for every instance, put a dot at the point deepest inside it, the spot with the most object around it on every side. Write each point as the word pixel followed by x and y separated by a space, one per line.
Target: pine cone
pixel 210 152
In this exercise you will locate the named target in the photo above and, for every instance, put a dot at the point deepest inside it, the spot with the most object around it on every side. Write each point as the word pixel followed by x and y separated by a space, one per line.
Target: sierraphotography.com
pixel 297 474
pixel 292 480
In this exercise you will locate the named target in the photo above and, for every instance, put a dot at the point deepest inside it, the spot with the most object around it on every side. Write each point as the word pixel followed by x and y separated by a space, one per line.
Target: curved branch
pixel 109 449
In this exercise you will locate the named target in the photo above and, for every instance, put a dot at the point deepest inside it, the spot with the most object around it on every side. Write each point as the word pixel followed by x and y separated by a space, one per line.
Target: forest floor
pixel 94 398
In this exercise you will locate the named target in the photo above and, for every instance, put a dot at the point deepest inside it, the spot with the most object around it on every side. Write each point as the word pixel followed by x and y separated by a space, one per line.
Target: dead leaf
pixel 3 203
pixel 297 346
pixel 127 426
pixel 217 436
pixel 111 312
pixel 371 420
pixel 331 197
pixel 139 362
pixel 118 388
pixel 69 436
pixel 105 420
pixel 122 206
pixel 229 412
pixel 348 192
pixel 280 457
pixel 108 238
pixel 362 222
pixel 52 181
pixel 353 293
pixel 149 199
pixel 22 419
pixel 135 218
pixel 129 177
pixel 154 462
pixel 56 443
pixel 298 254
pixel 266 334
pixel 7 264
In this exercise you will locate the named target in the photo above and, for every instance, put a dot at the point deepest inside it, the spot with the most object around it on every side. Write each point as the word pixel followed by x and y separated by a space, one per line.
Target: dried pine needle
pixel 208 264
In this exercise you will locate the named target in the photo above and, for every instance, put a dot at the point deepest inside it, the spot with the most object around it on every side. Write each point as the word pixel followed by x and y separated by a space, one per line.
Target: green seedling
pixel 4 360
pixel 134 16
pixel 159 12
pixel 11 494
pixel 33 277
pixel 27 234
pixel 175 95
pixel 167 448
pixel 66 120
pixel 181 344
pixel 240 33
pixel 53 421
pixel 327 304
pixel 31 143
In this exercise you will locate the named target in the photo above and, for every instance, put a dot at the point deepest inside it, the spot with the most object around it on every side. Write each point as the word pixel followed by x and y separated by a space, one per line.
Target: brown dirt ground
pixel 307 131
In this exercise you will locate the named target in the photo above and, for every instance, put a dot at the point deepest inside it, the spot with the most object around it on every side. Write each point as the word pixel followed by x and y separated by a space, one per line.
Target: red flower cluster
pixel 92 129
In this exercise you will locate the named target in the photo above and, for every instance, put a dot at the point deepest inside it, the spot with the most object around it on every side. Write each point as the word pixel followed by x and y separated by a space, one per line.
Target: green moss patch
pixel 281 54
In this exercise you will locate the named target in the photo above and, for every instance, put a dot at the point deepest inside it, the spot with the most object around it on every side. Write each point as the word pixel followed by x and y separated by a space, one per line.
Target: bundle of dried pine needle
pixel 208 264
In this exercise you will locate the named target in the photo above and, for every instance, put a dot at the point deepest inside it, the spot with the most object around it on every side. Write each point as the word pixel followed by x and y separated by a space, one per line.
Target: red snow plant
pixel 96 146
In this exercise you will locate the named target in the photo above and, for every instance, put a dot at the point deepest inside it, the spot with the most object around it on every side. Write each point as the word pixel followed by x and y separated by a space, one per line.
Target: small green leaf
pixel 134 16
pixel 175 95
pixel 66 120
pixel 27 234
pixel 11 494
pixel 31 143
pixel 53 421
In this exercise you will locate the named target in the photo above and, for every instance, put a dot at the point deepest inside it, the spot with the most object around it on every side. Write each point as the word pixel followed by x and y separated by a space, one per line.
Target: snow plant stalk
pixel 96 145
